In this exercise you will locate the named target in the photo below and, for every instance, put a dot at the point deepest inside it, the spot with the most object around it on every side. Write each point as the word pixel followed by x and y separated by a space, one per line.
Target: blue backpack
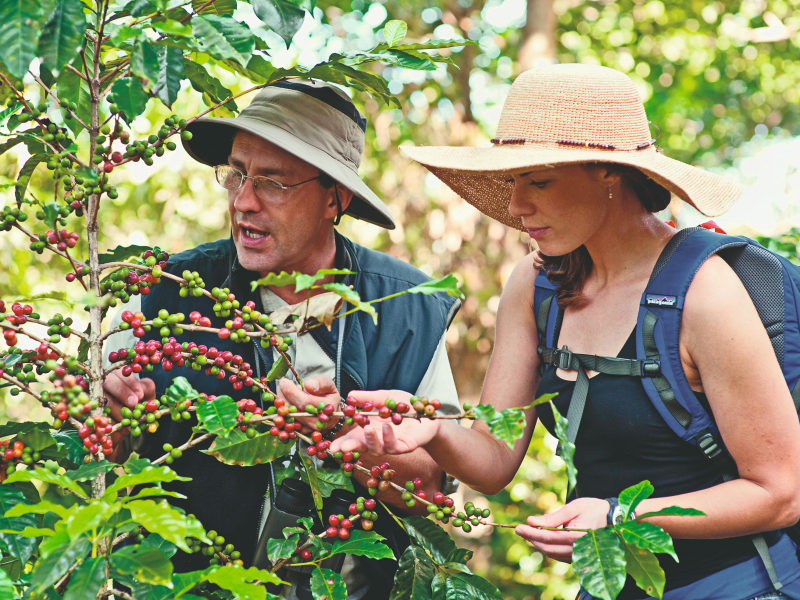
pixel 774 287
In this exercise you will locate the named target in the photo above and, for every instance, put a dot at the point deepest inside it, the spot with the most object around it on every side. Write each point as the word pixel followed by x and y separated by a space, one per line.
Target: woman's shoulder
pixel 520 283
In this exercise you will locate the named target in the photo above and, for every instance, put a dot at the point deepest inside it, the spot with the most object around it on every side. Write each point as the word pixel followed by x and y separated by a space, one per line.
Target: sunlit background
pixel 720 81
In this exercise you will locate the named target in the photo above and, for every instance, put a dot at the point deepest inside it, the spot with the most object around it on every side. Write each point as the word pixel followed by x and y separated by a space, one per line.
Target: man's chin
pixel 258 260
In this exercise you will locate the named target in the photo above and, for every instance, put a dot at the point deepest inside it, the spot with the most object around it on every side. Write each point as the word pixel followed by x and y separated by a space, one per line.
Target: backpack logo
pixel 660 300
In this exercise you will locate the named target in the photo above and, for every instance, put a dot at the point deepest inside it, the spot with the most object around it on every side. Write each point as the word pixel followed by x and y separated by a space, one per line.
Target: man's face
pixel 283 235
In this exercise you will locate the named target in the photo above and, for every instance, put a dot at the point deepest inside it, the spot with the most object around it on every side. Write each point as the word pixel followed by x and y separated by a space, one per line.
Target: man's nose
pixel 246 199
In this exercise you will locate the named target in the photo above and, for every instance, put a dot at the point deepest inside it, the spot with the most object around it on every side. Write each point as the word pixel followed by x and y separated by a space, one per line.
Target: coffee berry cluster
pixel 362 511
pixel 96 435
pixel 19 317
pixel 126 282
pixel 220 552
pixel 9 216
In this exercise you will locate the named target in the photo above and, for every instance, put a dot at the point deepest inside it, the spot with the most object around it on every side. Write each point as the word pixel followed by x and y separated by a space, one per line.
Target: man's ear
pixel 345 198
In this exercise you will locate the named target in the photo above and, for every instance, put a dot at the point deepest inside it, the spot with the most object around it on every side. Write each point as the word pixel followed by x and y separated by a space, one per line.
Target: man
pixel 289 163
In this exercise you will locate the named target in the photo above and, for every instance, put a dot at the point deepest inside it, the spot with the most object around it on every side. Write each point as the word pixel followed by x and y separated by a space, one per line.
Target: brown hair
pixel 570 271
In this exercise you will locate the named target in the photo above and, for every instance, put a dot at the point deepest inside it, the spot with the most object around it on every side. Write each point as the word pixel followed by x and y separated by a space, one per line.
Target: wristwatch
pixel 615 515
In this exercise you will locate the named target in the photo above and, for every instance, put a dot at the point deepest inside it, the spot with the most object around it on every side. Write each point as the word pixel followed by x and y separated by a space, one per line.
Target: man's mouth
pixel 253 234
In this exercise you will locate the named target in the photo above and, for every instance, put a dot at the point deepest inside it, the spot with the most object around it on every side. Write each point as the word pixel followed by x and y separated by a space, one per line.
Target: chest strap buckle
pixel 564 357
pixel 650 368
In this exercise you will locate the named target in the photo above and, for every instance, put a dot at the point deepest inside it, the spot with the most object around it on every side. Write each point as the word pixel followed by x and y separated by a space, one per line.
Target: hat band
pixel 593 145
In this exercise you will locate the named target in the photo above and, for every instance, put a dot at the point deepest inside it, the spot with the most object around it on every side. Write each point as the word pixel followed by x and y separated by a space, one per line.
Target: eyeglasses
pixel 266 188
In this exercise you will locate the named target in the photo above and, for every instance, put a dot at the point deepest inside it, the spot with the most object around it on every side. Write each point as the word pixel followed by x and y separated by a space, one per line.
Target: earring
pixel 609 194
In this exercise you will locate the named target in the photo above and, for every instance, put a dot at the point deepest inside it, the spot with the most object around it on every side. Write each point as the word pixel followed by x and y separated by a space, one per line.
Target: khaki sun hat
pixel 567 114
pixel 314 121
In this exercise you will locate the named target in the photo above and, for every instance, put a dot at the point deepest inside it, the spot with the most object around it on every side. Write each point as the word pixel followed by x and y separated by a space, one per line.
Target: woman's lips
pixel 537 232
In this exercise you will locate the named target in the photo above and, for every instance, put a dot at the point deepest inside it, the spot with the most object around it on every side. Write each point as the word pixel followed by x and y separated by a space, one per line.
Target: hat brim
pixel 481 175
pixel 212 140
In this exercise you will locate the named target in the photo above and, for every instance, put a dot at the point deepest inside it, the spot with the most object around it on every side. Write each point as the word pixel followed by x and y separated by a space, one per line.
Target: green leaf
pixel 459 555
pixel 63 35
pixel 313 482
pixel 139 8
pixel 394 32
pixel 599 563
pixel 325 582
pixel 90 471
pixel 130 97
pixel 167 522
pixel 70 86
pixel 470 587
pixel 12 427
pixel 304 282
pixel 429 45
pixel 409 60
pixel 278 548
pixel 69 441
pixel 643 566
pixel 224 38
pixel 6 586
pixel 278 370
pixel 430 536
pixel 276 279
pixel 144 61
pixel 87 579
pixel 647 537
pixel 414 575
pixel 19 32
pixel 19 546
pixel 146 565
pixel 170 74
pixel 448 284
pixel 176 28
pixel 48 477
pixel 543 399
pixel 40 508
pixel 156 541
pixel 672 511
pixel 149 474
pixel 206 83
pixel 222 8
pixel 437 587
pixel 237 449
pixel 245 584
pixel 181 390
pixel 59 553
pixel 567 448
pixel 90 517
pixel 218 416
pixel 629 498
pixel 353 298
pixel 284 18
pixel 123 33
pixel 38 439
pixel 506 425
pixel 363 543
pixel 25 174
pixel 333 479
pixel 257 70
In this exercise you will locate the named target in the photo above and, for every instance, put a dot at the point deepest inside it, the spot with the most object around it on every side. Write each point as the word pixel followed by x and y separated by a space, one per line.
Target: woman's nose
pixel 520 206
pixel 246 200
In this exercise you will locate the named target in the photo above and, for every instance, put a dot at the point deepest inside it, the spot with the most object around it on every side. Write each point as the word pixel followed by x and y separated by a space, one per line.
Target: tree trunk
pixel 538 43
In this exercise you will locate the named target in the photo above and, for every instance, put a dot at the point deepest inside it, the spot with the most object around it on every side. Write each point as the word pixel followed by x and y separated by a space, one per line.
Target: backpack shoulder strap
pixel 658 330
pixel 548 315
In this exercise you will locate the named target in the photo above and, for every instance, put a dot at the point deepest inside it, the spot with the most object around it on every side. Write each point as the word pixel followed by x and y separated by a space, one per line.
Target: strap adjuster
pixel 564 358
pixel 651 368
pixel 708 445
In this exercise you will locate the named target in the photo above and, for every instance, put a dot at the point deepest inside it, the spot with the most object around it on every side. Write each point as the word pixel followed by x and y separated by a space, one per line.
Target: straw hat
pixel 567 114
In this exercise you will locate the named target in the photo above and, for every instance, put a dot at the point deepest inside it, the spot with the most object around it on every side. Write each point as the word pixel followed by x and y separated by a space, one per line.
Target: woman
pixel 575 166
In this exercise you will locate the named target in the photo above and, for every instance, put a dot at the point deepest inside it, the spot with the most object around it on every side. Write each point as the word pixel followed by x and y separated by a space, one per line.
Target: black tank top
pixel 623 440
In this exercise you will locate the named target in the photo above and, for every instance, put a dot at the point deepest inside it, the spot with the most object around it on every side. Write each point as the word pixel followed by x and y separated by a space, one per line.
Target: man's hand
pixel 126 392
pixel 314 391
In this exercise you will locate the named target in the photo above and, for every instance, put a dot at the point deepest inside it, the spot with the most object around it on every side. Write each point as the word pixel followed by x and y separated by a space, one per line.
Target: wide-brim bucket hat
pixel 315 122
pixel 563 115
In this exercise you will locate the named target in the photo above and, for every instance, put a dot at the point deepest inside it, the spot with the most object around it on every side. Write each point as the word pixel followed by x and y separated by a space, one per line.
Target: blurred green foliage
pixel 714 76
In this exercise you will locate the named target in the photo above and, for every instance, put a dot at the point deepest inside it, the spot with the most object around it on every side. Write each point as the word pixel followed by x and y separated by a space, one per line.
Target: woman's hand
pixel 381 436
pixel 583 513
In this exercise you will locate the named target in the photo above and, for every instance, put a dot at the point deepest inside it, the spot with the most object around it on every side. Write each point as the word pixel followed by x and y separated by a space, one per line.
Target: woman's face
pixel 563 207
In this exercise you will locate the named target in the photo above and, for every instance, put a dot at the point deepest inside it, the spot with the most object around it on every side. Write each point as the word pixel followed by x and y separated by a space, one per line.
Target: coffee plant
pixel 73 77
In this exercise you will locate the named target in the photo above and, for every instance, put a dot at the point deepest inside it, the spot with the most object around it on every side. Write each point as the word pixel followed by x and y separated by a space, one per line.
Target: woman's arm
pixel 723 346
pixel 473 455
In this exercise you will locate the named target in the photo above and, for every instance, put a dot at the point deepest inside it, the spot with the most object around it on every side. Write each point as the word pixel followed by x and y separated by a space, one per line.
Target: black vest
pixel 395 354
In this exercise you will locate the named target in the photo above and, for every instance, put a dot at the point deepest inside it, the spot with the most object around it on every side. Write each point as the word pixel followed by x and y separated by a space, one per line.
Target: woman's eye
pixel 539 184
